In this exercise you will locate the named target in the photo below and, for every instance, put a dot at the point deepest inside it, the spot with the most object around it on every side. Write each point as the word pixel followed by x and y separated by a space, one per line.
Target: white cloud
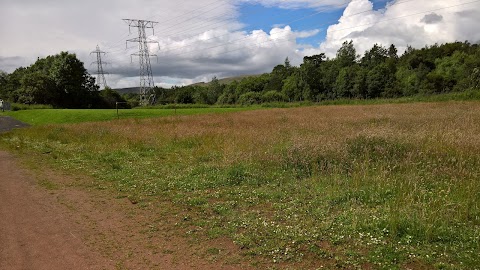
pixel 435 22
pixel 295 4
pixel 220 53
pixel 40 28
pixel 203 39
pixel 306 34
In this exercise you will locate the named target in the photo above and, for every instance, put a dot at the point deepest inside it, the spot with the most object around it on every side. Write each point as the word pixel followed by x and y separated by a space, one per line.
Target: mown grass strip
pixel 72 116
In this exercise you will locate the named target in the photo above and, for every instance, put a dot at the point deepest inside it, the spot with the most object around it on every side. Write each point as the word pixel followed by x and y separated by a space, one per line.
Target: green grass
pixel 41 114
pixel 381 186
pixel 71 116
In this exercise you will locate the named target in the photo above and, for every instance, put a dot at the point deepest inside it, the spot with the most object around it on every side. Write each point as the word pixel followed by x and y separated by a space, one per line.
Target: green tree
pixel 315 60
pixel 296 89
pixel 375 56
pixel 209 95
pixel 3 85
pixel 287 64
pixel 407 81
pixel 228 95
pixel 13 84
pixel 360 83
pixel 346 55
pixel 392 52
pixel 328 73
pixel 60 80
pixel 110 97
pixel 276 78
pixel 311 73
pixel 37 88
pixel 475 79
pixel 273 96
pixel 344 85
pixel 377 79
pixel 250 98
pixel 77 89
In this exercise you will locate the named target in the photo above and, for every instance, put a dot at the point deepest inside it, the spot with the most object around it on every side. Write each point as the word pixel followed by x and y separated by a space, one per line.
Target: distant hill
pixel 229 80
pixel 226 80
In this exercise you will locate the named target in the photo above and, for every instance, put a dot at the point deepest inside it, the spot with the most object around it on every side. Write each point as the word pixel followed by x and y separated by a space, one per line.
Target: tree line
pixel 59 80
pixel 62 81
pixel 379 73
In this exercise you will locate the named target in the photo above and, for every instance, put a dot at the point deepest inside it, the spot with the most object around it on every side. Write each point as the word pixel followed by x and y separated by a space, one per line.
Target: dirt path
pixel 49 221
pixel 34 231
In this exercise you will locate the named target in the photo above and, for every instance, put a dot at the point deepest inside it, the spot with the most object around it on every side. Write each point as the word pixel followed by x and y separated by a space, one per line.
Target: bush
pixel 20 107
pixel 274 96
pixel 250 98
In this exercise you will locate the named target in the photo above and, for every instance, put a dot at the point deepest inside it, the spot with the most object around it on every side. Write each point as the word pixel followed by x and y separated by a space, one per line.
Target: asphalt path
pixel 8 123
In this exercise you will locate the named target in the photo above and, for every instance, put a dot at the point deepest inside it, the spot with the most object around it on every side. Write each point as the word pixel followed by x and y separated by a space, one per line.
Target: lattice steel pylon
pixel 147 95
pixel 100 74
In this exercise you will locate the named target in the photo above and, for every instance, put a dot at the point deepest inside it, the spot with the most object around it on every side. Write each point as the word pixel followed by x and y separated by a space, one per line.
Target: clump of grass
pixel 19 107
pixel 381 185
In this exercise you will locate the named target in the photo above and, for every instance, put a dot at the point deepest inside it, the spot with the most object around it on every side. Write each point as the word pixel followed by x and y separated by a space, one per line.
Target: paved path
pixel 7 123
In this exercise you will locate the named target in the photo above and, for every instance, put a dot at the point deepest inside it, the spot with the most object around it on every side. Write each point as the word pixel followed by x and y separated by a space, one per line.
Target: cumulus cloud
pixel 219 53
pixel 205 38
pixel 46 27
pixel 294 4
pixel 403 23
pixel 432 18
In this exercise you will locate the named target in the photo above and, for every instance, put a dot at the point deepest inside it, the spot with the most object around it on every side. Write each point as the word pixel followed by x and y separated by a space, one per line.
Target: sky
pixel 200 39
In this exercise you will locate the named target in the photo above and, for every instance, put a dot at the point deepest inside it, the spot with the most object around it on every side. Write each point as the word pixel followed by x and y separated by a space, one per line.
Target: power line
pixel 203 25
pixel 243 38
pixel 183 15
pixel 336 30
pixel 196 16
pixel 147 95
pixel 176 33
pixel 100 74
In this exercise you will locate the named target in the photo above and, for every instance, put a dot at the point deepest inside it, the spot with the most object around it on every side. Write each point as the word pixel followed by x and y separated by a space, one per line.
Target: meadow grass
pixel 382 186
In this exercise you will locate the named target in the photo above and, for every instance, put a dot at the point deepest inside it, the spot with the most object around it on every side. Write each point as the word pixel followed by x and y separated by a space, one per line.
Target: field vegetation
pixel 44 114
pixel 380 186
pixel 64 116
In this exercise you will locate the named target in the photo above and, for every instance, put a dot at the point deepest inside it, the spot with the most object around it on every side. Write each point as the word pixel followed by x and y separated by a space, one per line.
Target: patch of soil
pixel 53 221
pixel 35 232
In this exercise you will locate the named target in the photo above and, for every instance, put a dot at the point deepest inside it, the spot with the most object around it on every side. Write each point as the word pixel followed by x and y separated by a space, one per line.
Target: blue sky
pixel 257 16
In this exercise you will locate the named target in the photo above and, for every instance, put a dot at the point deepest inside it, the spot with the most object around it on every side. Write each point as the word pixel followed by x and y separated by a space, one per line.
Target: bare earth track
pixel 47 221
pixel 34 231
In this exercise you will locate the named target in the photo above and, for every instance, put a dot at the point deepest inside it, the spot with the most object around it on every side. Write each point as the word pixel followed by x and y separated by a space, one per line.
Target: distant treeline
pixel 379 73
pixel 63 82
pixel 60 81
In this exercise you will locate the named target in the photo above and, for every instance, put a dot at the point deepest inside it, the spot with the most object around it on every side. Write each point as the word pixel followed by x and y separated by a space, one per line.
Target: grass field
pixel 388 186
pixel 69 116
pixel 41 114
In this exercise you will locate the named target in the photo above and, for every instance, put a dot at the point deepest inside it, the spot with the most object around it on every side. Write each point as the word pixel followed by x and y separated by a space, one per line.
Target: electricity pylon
pixel 147 95
pixel 100 74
